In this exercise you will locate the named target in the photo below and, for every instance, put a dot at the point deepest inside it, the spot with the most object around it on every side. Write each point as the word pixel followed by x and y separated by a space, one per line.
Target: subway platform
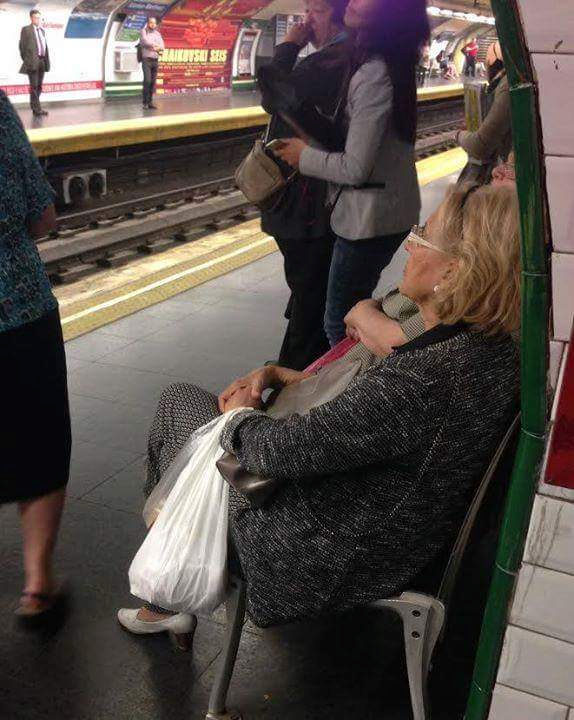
pixel 341 668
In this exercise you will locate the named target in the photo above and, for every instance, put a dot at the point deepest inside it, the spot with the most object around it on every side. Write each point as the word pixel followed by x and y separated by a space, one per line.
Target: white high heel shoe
pixel 180 628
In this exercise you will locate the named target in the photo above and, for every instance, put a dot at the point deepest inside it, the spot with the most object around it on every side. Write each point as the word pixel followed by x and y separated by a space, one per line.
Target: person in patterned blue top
pixel 35 418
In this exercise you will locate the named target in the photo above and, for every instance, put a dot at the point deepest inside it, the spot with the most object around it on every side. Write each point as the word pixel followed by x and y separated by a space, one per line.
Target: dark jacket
pixel 309 91
pixel 29 50
pixel 377 481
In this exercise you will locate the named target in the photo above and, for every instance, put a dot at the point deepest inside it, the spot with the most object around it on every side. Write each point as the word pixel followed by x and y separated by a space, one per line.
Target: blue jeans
pixel 355 270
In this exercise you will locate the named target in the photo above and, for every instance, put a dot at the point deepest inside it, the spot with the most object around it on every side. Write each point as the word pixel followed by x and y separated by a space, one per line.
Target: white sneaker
pixel 180 624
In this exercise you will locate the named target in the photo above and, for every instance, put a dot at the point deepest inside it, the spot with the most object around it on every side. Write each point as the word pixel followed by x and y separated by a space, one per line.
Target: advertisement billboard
pixel 199 37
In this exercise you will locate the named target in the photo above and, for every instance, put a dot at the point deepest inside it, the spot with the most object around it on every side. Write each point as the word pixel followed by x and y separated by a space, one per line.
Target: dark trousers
pixel 355 270
pixel 149 66
pixel 35 79
pixel 307 264
pixel 470 66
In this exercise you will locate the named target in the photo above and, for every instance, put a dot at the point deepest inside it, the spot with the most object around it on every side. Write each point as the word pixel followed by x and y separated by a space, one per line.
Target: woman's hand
pixel 367 323
pixel 252 386
pixel 299 34
pixel 290 151
pixel 360 314
pixel 241 398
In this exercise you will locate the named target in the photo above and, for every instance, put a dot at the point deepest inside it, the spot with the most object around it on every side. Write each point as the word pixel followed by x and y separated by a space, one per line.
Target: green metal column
pixel 534 352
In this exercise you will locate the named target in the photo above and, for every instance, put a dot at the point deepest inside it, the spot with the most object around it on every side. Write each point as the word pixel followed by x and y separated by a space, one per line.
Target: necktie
pixel 41 45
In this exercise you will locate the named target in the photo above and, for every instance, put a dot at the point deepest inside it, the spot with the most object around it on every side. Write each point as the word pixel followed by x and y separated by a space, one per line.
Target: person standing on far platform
pixel 470 51
pixel 35 59
pixel 152 46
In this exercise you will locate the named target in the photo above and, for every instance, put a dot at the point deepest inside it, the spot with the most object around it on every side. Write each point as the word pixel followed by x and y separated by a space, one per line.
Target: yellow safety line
pixel 82 317
pixel 164 281
pixel 117 133
pixel 119 306
pixel 440 166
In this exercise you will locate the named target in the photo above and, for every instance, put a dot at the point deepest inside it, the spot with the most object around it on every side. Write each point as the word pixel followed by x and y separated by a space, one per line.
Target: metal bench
pixel 423 615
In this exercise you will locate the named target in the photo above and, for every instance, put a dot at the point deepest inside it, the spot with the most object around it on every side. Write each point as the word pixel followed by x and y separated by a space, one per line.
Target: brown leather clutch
pixel 255 488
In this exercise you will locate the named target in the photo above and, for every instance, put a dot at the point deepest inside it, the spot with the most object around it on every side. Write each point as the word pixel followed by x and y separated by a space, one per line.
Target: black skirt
pixel 35 428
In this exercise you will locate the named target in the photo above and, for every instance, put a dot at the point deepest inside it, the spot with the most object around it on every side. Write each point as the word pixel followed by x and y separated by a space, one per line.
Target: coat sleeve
pixel 484 143
pixel 282 80
pixel 380 416
pixel 370 104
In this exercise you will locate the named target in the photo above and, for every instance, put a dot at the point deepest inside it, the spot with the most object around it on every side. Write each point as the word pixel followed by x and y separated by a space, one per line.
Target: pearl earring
pixel 436 288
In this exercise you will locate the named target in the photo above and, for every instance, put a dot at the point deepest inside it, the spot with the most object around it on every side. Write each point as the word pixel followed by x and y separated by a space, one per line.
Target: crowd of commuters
pixel 373 484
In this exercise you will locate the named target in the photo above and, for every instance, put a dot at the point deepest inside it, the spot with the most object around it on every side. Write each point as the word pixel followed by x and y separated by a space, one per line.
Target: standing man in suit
pixel 152 46
pixel 35 58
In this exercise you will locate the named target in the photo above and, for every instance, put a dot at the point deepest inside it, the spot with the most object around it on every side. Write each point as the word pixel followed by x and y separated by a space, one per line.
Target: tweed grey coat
pixel 378 480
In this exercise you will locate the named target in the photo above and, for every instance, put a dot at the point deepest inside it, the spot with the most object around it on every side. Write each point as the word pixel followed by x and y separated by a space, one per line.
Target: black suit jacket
pixel 29 50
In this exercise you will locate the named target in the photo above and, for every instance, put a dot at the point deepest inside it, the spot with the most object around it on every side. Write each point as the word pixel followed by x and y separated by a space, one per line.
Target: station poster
pixel 137 14
pixel 199 38
pixel 89 18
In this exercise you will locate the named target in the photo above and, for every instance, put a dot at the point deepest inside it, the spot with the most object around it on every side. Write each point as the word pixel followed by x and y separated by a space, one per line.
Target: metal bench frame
pixel 423 616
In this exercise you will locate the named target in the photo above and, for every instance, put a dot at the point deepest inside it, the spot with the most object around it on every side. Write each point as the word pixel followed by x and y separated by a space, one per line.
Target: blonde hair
pixel 481 230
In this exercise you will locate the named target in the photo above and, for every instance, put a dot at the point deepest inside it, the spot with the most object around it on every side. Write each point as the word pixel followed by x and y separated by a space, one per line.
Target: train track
pixel 114 234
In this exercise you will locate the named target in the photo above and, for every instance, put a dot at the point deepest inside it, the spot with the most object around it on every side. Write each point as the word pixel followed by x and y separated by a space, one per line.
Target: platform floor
pixel 342 668
pixel 62 114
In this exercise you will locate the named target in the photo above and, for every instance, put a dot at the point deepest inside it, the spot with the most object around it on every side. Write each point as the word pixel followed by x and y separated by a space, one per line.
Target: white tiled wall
pixel 560 181
pixel 556 354
pixel 509 704
pixel 536 672
pixel 563 293
pixel 550 541
pixel 544 602
pixel 549 32
pixel 556 90
pixel 537 664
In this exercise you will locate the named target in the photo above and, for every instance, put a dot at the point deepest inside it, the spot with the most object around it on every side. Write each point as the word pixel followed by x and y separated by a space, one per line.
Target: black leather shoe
pixel 151 106
pixel 43 112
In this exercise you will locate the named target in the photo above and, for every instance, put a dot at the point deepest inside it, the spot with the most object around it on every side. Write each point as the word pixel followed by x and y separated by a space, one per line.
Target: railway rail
pixel 159 198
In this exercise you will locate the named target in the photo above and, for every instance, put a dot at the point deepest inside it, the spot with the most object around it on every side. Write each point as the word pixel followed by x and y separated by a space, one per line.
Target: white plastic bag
pixel 182 563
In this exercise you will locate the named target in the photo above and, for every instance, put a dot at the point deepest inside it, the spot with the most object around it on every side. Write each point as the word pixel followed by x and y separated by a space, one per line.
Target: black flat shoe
pixel 151 106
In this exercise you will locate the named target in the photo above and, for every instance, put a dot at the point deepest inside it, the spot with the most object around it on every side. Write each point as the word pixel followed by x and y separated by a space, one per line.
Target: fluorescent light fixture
pixel 459 15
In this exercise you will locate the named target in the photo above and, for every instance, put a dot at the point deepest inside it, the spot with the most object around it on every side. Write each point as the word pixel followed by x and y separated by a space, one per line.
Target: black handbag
pixel 139 53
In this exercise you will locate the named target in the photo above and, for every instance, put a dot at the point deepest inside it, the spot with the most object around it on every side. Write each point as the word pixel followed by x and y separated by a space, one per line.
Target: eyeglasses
pixel 415 237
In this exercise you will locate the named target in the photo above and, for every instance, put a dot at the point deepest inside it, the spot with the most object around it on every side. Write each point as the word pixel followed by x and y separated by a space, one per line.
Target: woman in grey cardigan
pixel 374 182
pixel 375 483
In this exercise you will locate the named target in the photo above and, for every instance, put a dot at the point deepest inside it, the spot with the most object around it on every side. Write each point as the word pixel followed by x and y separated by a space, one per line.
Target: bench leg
pixel 235 611
pixel 423 619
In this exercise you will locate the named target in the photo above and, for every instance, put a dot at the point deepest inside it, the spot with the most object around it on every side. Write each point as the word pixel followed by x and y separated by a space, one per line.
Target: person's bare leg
pixel 40 519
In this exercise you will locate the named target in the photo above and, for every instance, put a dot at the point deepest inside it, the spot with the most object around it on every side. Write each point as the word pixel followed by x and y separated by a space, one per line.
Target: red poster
pixel 199 37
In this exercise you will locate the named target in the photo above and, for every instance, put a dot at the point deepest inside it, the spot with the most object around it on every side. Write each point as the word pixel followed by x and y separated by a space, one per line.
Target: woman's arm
pixel 379 416
pixel 484 143
pixel 44 224
pixel 370 105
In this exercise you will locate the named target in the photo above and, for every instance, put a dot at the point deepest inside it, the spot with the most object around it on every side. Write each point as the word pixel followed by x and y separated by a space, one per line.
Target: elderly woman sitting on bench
pixel 374 484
